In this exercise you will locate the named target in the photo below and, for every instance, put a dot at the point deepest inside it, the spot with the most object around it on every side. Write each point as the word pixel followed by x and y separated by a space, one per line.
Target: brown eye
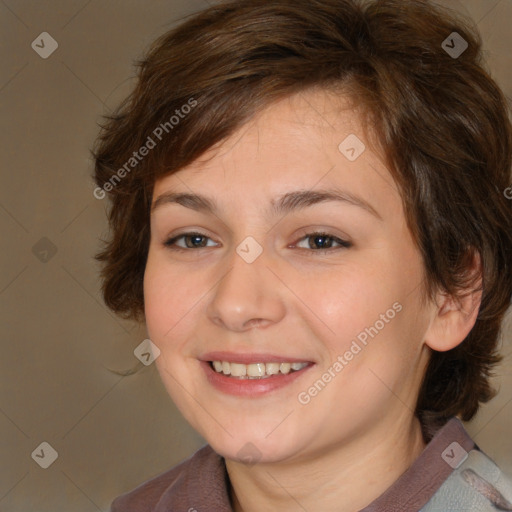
pixel 324 242
pixel 192 241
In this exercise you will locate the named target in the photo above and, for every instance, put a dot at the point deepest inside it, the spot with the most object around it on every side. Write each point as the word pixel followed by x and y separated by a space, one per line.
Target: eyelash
pixel 171 243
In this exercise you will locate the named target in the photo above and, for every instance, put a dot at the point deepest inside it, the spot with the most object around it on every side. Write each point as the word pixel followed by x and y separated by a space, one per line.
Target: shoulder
pixel 146 496
pixel 477 483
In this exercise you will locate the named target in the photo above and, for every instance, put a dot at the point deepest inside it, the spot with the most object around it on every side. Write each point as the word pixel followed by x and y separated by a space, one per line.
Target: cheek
pixel 372 310
pixel 167 300
pixel 350 300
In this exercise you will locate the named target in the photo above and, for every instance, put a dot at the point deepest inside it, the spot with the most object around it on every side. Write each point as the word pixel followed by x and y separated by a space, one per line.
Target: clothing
pixel 451 474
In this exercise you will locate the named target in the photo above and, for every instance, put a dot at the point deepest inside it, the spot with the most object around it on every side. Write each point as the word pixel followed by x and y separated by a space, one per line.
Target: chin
pixel 253 450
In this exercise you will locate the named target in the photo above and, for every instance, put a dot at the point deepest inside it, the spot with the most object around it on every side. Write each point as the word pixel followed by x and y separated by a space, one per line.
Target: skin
pixel 354 438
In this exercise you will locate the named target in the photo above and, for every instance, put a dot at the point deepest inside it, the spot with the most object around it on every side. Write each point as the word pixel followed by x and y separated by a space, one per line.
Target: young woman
pixel 309 215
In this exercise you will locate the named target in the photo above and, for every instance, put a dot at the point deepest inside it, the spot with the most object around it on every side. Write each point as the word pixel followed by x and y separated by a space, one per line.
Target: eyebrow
pixel 291 201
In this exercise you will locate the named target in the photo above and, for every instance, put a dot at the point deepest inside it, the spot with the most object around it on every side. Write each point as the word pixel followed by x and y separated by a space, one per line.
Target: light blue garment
pixel 458 495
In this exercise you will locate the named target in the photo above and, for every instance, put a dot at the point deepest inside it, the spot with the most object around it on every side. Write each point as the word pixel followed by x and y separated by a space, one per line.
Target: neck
pixel 342 479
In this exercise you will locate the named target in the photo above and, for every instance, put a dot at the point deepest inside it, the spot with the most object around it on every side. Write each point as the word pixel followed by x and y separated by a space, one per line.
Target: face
pixel 279 272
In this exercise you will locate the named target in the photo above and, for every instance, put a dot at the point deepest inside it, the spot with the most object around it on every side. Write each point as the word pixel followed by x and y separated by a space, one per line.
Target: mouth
pixel 255 370
pixel 252 375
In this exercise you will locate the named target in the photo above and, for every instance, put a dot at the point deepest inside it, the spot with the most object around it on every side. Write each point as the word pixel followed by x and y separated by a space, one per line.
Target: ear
pixel 454 318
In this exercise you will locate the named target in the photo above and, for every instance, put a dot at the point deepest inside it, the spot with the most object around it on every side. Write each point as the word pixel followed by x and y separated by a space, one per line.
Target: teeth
pixel 285 368
pixel 238 370
pixel 255 370
pixel 272 368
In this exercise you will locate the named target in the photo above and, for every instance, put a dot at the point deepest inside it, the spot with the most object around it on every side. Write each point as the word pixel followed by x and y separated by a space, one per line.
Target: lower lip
pixel 250 387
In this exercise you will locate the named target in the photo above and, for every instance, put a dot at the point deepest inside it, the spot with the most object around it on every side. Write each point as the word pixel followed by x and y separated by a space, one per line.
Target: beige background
pixel 59 342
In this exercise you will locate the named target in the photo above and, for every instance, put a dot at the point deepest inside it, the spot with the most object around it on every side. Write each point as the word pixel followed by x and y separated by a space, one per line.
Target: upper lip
pixel 248 358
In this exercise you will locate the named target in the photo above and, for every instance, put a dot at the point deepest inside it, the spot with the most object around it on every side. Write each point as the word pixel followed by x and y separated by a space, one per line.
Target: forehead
pixel 311 140
pixel 304 123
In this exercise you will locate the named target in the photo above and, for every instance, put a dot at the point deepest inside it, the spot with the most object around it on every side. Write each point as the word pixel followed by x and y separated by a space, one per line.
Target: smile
pixel 252 379
pixel 255 370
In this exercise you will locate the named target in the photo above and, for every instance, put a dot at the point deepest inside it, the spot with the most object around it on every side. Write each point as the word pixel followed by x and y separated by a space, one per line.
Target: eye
pixel 317 242
pixel 194 238
pixel 325 241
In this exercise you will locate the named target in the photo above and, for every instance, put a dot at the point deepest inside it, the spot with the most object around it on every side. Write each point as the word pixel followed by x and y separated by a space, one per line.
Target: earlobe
pixel 453 318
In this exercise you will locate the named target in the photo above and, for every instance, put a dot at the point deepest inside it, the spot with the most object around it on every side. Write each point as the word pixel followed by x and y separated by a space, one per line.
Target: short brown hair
pixel 442 122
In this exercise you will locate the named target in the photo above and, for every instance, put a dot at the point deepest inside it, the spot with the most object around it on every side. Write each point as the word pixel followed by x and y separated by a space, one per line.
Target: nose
pixel 248 295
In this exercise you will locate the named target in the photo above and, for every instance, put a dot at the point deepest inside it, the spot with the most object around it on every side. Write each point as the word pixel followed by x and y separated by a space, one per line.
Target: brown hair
pixel 441 120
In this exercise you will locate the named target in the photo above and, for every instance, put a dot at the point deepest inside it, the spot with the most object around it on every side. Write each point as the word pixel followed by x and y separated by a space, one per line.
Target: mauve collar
pixel 427 473
pixel 203 484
